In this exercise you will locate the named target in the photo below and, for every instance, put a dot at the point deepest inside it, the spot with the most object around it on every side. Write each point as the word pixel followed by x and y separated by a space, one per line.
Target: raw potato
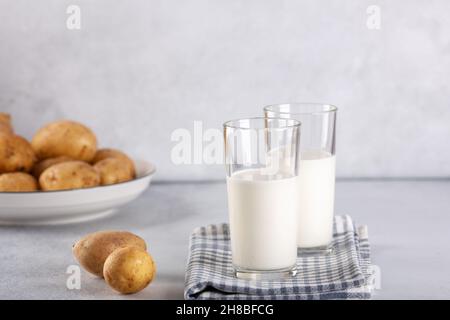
pixel 129 270
pixel 5 118
pixel 65 138
pixel 92 250
pixel 16 154
pixel 47 163
pixel 69 175
pixel 58 143
pixel 17 182
pixel 113 170
pixel 5 129
pixel 5 123
pixel 103 154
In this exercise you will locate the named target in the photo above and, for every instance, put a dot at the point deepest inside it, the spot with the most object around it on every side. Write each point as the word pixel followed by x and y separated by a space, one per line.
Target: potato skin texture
pixel 16 154
pixel 113 170
pixel 5 123
pixel 6 129
pixel 129 270
pixel 69 175
pixel 65 138
pixel 41 166
pixel 92 250
pixel 106 153
pixel 5 118
pixel 17 182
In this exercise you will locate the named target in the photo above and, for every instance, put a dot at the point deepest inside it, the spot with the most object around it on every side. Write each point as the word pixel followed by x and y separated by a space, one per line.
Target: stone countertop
pixel 408 231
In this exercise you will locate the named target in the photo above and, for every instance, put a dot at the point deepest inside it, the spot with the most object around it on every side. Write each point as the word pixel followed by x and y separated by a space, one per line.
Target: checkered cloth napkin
pixel 344 274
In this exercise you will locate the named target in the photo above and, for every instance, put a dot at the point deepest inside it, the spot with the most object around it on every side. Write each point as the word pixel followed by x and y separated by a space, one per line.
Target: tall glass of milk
pixel 262 195
pixel 315 191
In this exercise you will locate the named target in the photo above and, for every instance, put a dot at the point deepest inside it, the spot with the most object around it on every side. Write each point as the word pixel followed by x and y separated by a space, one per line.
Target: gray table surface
pixel 409 228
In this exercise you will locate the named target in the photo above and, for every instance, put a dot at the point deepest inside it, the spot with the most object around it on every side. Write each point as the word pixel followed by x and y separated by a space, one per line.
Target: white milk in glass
pixel 263 212
pixel 314 195
pixel 316 199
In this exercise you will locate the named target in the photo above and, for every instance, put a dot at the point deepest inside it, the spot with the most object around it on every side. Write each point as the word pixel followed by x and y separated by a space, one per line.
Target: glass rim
pixel 228 124
pixel 326 108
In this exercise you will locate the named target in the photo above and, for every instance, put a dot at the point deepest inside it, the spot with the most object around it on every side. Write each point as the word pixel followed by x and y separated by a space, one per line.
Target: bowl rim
pixel 146 175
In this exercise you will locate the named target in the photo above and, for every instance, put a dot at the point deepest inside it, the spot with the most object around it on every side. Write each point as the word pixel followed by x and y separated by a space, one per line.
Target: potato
pixel 92 250
pixel 65 138
pixel 129 270
pixel 5 123
pixel 113 153
pixel 113 170
pixel 69 175
pixel 4 128
pixel 16 154
pixel 47 163
pixel 5 118
pixel 17 182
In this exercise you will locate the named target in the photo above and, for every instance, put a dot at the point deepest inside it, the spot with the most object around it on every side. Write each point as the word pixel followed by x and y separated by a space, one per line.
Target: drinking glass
pixel 317 172
pixel 262 165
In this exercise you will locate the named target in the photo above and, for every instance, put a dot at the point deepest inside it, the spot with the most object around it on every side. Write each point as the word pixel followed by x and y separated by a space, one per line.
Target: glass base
pixel 265 274
pixel 323 250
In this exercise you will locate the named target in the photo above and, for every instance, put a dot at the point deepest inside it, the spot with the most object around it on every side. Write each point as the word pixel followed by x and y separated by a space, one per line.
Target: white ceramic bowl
pixel 69 206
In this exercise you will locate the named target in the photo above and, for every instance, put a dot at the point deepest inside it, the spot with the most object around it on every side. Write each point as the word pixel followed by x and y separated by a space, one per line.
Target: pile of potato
pixel 120 257
pixel 62 155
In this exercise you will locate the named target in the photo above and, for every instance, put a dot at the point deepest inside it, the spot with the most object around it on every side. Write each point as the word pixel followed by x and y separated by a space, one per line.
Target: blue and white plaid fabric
pixel 343 274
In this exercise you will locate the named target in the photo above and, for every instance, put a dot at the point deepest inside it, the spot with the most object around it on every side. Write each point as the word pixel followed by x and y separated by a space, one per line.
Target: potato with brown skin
pixel 92 250
pixel 129 270
pixel 106 153
pixel 113 170
pixel 5 123
pixel 69 175
pixel 65 138
pixel 41 166
pixel 17 182
pixel 5 129
pixel 5 118
pixel 16 154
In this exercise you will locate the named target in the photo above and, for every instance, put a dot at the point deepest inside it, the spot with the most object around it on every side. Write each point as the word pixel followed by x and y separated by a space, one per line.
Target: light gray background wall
pixel 137 70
